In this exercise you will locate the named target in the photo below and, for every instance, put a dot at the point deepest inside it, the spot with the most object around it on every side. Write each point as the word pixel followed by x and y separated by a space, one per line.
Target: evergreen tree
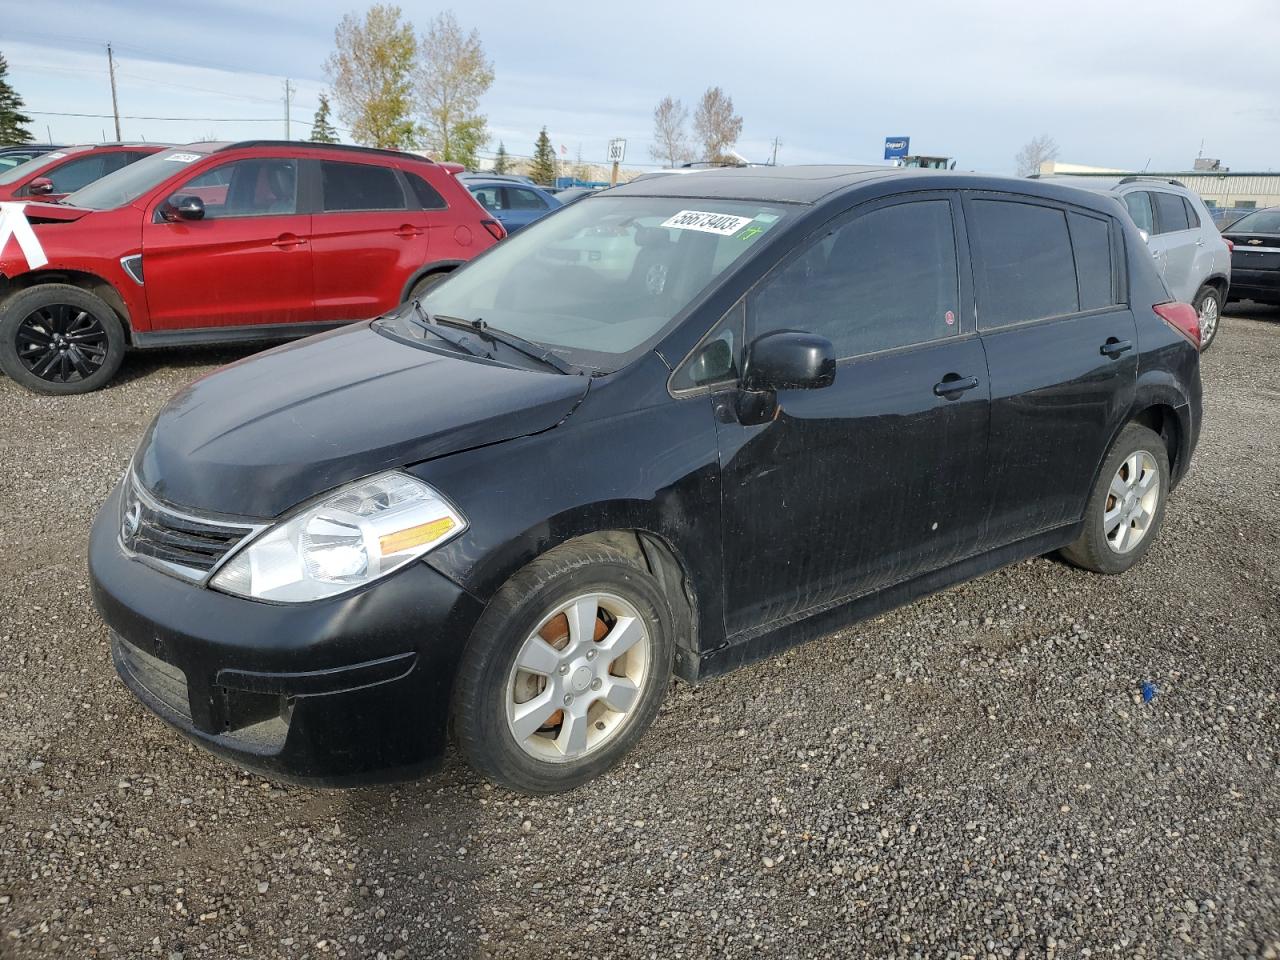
pixel 322 130
pixel 501 162
pixel 543 167
pixel 13 122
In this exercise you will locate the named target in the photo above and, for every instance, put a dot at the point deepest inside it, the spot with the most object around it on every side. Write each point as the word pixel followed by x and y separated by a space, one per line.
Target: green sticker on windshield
pixel 750 232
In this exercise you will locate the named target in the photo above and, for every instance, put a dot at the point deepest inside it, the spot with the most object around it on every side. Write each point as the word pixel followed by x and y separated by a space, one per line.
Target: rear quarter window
pixel 428 197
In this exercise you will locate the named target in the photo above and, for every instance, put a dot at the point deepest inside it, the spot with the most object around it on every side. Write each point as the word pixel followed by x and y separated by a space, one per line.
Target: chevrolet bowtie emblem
pixel 1256 243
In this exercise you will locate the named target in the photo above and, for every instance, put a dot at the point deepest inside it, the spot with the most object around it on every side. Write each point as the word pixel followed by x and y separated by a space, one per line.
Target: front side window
pixel 78 173
pixel 1171 215
pixel 518 198
pixel 490 198
pixel 885 279
pixel 359 186
pixel 257 187
pixel 605 278
pixel 1026 270
pixel 1139 206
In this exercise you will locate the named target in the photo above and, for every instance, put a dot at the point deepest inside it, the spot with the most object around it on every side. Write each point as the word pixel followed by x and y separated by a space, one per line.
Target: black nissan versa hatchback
pixel 671 428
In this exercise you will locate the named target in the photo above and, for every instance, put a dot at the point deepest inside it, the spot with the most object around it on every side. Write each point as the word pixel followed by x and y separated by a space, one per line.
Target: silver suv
pixel 1189 252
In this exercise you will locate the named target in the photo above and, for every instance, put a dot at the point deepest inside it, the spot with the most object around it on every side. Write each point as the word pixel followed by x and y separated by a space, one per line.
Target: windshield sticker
pixel 751 233
pixel 54 156
pixel 721 224
pixel 183 157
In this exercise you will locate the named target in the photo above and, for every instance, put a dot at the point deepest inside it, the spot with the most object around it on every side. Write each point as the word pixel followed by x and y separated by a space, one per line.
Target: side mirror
pixel 188 207
pixel 40 186
pixel 1146 237
pixel 790 360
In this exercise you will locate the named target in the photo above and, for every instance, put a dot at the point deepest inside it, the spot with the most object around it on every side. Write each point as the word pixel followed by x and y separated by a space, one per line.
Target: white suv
pixel 1189 252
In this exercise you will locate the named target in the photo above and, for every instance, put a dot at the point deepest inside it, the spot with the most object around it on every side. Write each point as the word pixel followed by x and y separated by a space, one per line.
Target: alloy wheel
pixel 61 343
pixel 577 678
pixel 1131 503
pixel 1209 314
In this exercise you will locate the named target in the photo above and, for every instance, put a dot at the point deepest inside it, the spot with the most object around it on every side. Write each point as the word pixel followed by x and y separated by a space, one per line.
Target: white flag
pixel 13 223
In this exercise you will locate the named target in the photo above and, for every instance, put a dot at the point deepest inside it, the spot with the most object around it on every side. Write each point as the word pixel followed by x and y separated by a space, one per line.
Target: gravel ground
pixel 973 775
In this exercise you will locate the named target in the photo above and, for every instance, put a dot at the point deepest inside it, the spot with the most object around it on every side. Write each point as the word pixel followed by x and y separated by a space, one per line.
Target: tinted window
pixel 1091 241
pixel 882 280
pixel 1264 221
pixel 490 197
pixel 81 172
pixel 1193 218
pixel 359 186
pixel 1139 207
pixel 1026 270
pixel 1170 213
pixel 427 196
pixel 519 198
pixel 245 188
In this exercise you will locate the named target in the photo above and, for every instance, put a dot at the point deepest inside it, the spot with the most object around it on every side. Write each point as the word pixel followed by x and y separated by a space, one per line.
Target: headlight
pixel 362 532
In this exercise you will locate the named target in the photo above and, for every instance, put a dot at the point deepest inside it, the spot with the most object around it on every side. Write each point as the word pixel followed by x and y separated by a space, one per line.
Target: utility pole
pixel 115 104
pixel 776 144
pixel 288 97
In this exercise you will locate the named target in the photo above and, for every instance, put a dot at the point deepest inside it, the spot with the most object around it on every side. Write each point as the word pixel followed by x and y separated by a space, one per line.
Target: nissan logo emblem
pixel 132 520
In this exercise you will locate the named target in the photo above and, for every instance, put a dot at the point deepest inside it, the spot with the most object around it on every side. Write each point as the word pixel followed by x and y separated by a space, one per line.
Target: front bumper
pixel 354 689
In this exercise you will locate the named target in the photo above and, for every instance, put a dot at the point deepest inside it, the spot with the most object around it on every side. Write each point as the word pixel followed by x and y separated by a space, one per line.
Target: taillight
pixel 1231 247
pixel 494 228
pixel 1182 317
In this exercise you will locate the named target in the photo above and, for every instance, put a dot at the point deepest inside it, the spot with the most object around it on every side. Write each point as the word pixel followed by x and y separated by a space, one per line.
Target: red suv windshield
pixel 129 183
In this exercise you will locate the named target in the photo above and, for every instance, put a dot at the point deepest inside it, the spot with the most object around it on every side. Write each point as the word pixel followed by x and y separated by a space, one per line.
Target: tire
pixel 59 339
pixel 1107 544
pixel 1208 304
pixel 426 283
pixel 491 689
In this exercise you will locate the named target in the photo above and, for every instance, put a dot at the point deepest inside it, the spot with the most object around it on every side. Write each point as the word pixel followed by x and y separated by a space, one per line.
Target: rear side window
pixel 428 197
pixel 1193 218
pixel 518 198
pixel 1091 241
pixel 1139 207
pixel 490 198
pixel 1171 215
pixel 359 186
pixel 1026 270
pixel 885 279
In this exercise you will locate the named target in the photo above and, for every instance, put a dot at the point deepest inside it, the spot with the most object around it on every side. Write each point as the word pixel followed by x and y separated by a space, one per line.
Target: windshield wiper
pixel 530 349
pixel 446 333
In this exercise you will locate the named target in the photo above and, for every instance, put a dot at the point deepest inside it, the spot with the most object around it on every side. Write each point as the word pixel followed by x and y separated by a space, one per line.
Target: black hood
pixel 263 434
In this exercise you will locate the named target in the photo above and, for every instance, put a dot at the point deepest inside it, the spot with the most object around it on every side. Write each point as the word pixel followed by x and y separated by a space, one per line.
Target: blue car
pixel 512 203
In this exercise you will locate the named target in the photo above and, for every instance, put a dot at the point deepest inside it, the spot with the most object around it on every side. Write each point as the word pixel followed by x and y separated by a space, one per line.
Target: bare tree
pixel 670 139
pixel 371 72
pixel 716 125
pixel 1035 152
pixel 453 76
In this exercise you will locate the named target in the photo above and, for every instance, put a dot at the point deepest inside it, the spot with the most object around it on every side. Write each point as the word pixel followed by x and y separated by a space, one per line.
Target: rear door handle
pixel 952 385
pixel 287 240
pixel 1113 347
pixel 408 230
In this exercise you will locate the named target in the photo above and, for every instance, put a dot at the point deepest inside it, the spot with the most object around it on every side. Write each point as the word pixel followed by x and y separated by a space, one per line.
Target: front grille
pixel 162 680
pixel 178 543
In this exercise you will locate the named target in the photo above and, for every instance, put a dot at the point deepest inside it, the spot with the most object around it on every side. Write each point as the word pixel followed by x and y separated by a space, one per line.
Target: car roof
pixel 813 184
pixel 217 147
pixel 1108 183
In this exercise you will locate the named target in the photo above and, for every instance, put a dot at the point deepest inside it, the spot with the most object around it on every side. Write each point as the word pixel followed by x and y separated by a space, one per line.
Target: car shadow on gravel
pixel 139 364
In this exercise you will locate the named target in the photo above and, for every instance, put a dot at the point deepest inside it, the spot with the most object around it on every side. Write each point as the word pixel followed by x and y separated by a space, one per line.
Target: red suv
pixel 53 175
pixel 218 242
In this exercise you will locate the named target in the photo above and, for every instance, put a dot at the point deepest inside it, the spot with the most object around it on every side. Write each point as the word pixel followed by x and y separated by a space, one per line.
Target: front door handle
pixel 952 385
pixel 287 240
pixel 1113 347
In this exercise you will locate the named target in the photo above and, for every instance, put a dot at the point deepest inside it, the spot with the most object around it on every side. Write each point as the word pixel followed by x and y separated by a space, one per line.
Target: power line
pixel 123 116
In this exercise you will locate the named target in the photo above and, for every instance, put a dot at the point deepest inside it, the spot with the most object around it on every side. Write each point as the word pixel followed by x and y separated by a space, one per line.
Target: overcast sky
pixel 1133 85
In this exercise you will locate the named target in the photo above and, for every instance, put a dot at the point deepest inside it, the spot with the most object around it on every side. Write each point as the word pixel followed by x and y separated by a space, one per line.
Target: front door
pixel 1062 351
pixel 246 263
pixel 874 479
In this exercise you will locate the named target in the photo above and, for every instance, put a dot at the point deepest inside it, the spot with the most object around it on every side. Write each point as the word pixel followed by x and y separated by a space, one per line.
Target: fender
pixel 434 267
pixel 1157 388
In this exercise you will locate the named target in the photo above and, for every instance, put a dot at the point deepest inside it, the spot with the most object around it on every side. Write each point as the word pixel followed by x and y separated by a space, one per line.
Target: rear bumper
pixel 1261 285
pixel 346 691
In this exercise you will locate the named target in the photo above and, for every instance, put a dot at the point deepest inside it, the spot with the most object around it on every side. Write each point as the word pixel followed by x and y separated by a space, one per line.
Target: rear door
pixel 246 263
pixel 1061 348
pixel 1176 241
pixel 522 207
pixel 370 234
pixel 874 479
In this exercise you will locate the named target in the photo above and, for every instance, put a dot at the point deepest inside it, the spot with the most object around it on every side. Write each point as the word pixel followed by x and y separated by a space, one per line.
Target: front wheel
pixel 1126 508
pixel 60 339
pixel 565 670
pixel 1208 304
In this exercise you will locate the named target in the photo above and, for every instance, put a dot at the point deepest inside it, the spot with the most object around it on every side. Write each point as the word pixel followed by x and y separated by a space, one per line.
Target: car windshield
pixel 600 281
pixel 129 183
pixel 28 167
pixel 1264 221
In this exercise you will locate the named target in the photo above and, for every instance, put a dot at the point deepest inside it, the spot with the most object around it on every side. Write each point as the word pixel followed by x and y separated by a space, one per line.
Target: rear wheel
pixel 565 670
pixel 1126 507
pixel 426 283
pixel 1208 304
pixel 60 339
